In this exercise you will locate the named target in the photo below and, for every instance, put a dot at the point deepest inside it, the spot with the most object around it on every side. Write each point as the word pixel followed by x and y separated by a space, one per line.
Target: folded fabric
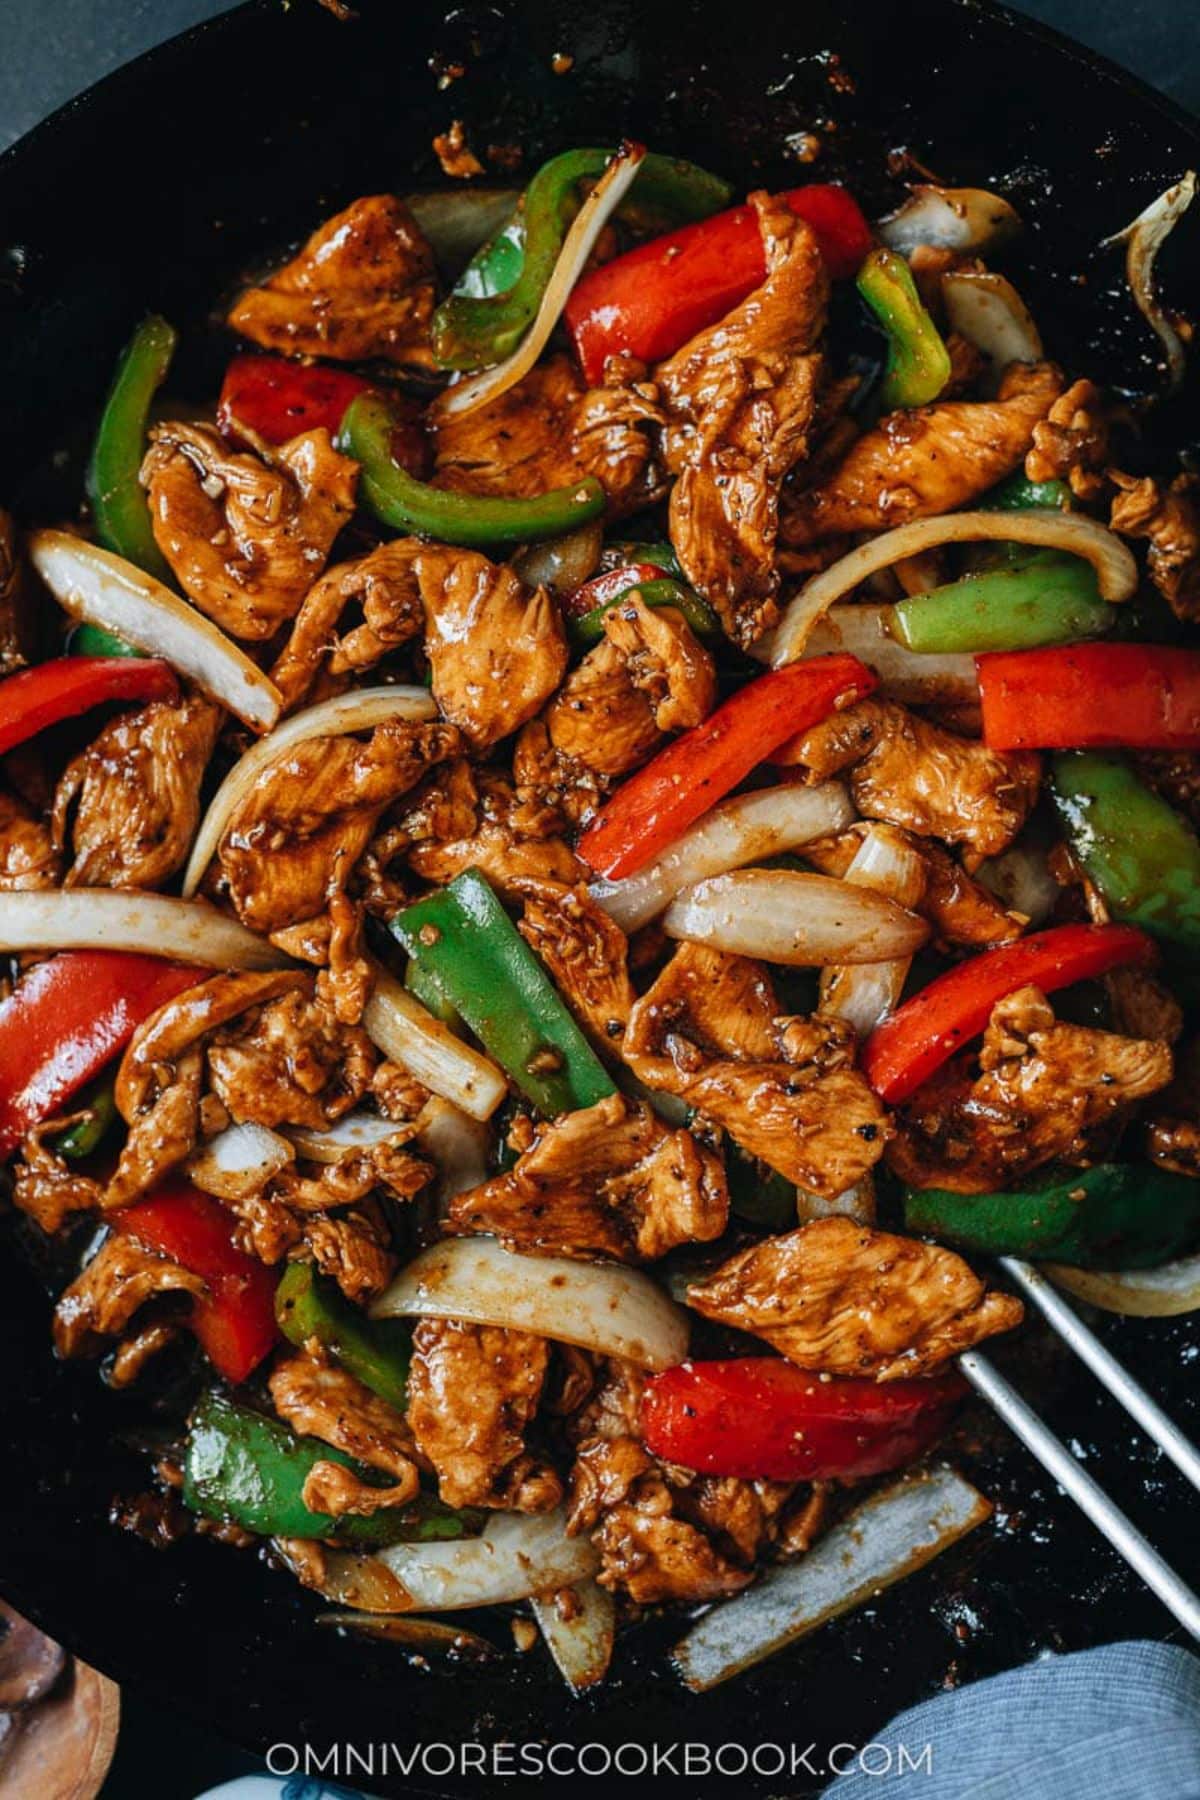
pixel 1118 1723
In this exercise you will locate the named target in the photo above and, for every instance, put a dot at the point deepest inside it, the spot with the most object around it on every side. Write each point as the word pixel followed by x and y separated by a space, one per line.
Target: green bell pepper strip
pixel 1142 855
pixel 1018 494
pixel 476 521
pixel 482 321
pixel 1111 1216
pixel 100 1103
pixel 467 941
pixel 376 1351
pixel 119 505
pixel 589 628
pixel 424 987
pixel 243 1468
pixel 1050 599
pixel 918 362
pixel 93 640
pixel 758 1194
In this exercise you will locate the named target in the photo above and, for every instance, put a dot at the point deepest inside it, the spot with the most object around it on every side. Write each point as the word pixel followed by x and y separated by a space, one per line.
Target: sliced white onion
pixel 562 564
pixel 581 1645
pixel 578 245
pixel 457 1143
pixel 519 1554
pixel 865 993
pixel 1020 879
pixel 601 1306
pixel 862 629
pixel 189 931
pixel 360 710
pixel 426 1636
pixel 889 1536
pixel 949 219
pixel 1160 1293
pixel 986 309
pixel 1116 570
pixel 408 1034
pixel 1143 239
pixel 353 1133
pixel 747 829
pixel 102 589
pixel 785 916
pixel 239 1161
pixel 857 1203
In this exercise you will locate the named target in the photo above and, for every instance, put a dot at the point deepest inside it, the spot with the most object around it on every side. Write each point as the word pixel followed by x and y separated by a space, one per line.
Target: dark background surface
pixel 56 48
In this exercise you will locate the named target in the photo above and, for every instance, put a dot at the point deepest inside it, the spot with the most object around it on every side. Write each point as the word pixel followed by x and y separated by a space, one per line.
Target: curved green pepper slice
pixel 377 1351
pixel 918 362
pixel 1111 1216
pixel 119 506
pixel 1048 599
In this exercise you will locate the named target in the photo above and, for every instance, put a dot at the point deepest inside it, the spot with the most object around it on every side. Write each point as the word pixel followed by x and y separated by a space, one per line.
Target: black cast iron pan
pixel 153 191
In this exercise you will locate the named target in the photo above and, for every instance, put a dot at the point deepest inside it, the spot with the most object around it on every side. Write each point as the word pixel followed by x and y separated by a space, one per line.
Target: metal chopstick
pixel 1087 1494
pixel 1105 1367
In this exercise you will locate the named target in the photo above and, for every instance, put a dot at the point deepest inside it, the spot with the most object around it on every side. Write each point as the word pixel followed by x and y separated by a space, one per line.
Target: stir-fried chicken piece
pixel 319 1399
pixel 294 840
pixel 1175 774
pixel 14 631
pixel 961 911
pixel 361 287
pixel 464 818
pixel 740 400
pixel 353 1249
pixel 1042 1089
pixel 28 858
pixel 1169 519
pixel 925 460
pixel 46 1187
pixel 549 431
pixel 136 795
pixel 785 1089
pixel 246 540
pixel 383 586
pixel 472 1391
pixel 844 1299
pixel 387 1165
pixel 290 1062
pixel 930 781
pixel 100 1302
pixel 1071 443
pixel 583 952
pixel 1174 1144
pixel 609 1180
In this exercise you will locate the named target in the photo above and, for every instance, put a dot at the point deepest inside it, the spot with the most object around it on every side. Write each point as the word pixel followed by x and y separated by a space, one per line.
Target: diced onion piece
pixel 456 222
pixel 1143 240
pixel 189 931
pixel 577 248
pixel 986 309
pixel 889 1536
pixel 457 1143
pixel 408 1034
pixel 430 1636
pixel 784 916
pixel 603 1307
pixel 949 219
pixel 353 1133
pixel 862 628
pixel 865 993
pixel 1116 570
pixel 562 564
pixel 102 589
pixel 1160 1293
pixel 1021 880
pixel 360 710
pixel 749 828
pixel 857 1203
pixel 582 1644
pixel 519 1554
pixel 239 1161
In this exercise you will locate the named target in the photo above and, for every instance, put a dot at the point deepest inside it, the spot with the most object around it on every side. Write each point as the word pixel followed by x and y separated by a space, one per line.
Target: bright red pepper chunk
pixel 36 698
pixel 68 1017
pixel 650 301
pixel 1091 697
pixel 761 1418
pixel 927 1030
pixel 234 1322
pixel 277 400
pixel 701 767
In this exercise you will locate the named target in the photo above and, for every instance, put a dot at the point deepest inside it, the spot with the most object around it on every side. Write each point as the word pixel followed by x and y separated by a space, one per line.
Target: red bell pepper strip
pixel 650 301
pixel 763 1419
pixel 698 769
pixel 927 1030
pixel 68 1017
pixel 234 1322
pixel 277 400
pixel 42 696
pixel 609 586
pixel 1091 697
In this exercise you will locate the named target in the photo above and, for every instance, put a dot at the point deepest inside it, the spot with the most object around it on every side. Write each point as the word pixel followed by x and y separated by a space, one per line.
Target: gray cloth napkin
pixel 1118 1723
